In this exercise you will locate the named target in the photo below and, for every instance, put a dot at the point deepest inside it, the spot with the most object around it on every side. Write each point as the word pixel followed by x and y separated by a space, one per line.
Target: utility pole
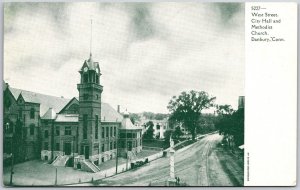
pixel 117 141
pixel 73 150
pixel 52 139
pixel 12 160
pixel 55 183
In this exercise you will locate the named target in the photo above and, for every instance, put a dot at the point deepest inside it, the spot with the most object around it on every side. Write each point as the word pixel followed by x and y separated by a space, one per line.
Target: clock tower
pixel 89 109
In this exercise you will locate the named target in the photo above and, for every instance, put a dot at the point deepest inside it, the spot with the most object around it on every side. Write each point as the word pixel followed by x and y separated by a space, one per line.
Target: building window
pixel 115 145
pixel 107 131
pixel 111 131
pixel 123 135
pixel 129 135
pixel 31 129
pixel 110 146
pixel 103 132
pixel 57 146
pixel 97 96
pixel 32 113
pixel 102 148
pixel 20 113
pixel 68 130
pixel 129 146
pixel 46 146
pixel 115 131
pixel 46 134
pixel 85 123
pixel 57 132
pixel 96 127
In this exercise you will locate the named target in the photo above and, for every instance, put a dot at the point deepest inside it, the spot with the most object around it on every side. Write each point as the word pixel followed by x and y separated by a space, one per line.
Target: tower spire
pixel 91 38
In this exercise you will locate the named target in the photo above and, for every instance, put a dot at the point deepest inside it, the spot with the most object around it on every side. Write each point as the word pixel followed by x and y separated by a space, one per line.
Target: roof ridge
pixel 22 90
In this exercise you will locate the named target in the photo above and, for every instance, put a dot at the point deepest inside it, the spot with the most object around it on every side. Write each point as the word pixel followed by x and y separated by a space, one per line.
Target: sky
pixel 148 52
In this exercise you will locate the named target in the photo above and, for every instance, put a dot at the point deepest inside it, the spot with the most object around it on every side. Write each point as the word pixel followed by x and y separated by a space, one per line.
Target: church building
pixel 81 132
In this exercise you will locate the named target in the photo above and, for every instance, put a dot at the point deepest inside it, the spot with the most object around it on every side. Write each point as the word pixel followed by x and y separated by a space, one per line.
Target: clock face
pixel 85 69
pixel 97 70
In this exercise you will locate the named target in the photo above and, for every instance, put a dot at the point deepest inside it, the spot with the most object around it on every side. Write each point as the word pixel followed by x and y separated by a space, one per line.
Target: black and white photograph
pixel 123 94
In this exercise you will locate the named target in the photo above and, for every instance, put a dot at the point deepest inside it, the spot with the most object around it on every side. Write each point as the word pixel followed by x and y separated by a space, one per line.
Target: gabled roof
pixel 50 114
pixel 109 114
pixel 45 101
pixel 75 99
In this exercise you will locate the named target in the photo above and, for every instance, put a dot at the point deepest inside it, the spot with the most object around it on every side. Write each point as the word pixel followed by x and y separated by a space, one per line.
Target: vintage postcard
pixel 149 94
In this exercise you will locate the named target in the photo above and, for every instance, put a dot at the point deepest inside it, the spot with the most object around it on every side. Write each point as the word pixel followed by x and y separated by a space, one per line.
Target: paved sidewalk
pixel 39 173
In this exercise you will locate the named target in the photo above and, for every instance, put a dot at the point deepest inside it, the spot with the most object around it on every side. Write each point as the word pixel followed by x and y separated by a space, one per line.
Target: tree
pixel 187 108
pixel 233 124
pixel 167 136
pixel 150 131
pixel 134 117
pixel 224 109
pixel 177 133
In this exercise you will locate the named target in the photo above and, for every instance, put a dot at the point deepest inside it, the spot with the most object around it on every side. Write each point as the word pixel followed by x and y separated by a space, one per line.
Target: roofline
pixel 8 89
pixel 67 105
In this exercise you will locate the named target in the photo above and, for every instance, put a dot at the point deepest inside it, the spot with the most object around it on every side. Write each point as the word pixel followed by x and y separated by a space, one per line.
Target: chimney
pixel 118 108
pixel 241 103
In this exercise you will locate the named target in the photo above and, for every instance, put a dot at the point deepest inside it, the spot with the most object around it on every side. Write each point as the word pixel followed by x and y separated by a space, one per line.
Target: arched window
pixel 32 113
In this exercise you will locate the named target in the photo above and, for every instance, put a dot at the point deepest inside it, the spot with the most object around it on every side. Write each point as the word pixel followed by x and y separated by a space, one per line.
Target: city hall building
pixel 56 129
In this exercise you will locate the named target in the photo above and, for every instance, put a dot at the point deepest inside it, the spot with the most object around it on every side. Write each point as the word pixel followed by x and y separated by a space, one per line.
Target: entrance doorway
pixel 86 152
pixel 67 148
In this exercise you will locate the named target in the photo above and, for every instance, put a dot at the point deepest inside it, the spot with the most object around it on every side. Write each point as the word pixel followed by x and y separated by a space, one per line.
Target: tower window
pixel 85 78
pixel 32 113
pixel 96 127
pixel 85 96
pixel 85 126
pixel 97 79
